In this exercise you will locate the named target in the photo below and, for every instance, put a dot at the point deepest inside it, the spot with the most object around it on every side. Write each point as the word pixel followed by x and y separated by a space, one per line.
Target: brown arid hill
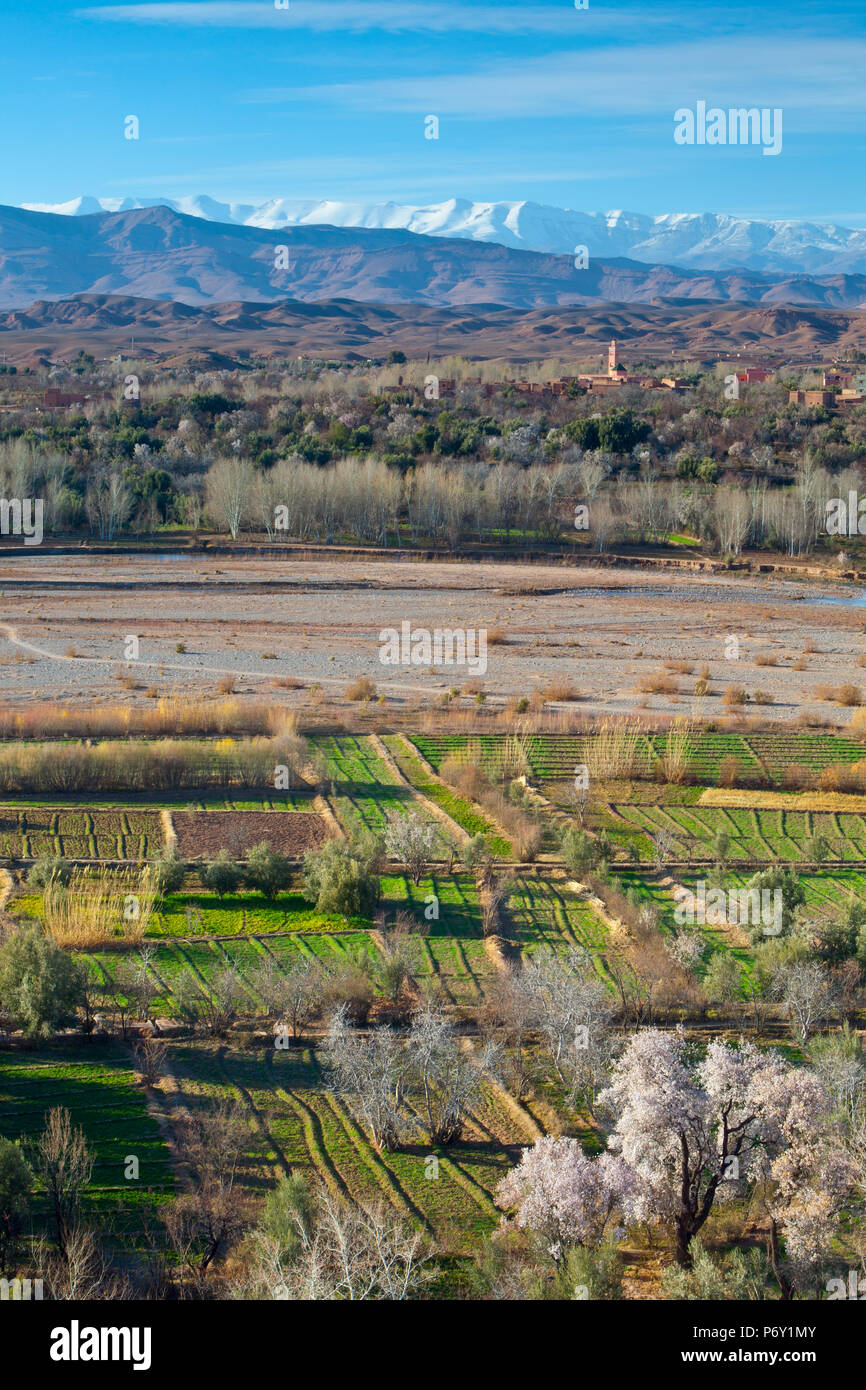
pixel 221 335
pixel 159 254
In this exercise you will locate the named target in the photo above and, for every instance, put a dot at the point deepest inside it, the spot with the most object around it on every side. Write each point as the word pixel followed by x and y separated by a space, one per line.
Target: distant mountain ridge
pixel 157 253
pixel 220 335
pixel 701 241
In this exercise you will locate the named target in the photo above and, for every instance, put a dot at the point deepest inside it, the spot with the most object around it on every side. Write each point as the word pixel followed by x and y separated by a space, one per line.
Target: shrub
pixel 474 853
pixel 560 688
pixel 729 771
pixel 579 850
pixel 734 695
pixel 16 1182
pixel 857 725
pixel 49 870
pixel 336 881
pixel 222 875
pixel 267 871
pixel 658 683
pixel 168 873
pixel 41 986
pixel 361 689
pixel 722 979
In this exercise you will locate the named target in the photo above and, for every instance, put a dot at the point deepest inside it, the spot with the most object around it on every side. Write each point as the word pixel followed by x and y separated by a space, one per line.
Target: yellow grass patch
pixel 782 801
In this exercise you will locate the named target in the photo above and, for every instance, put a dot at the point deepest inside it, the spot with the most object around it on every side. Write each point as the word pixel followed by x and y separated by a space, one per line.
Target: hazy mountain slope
pixel 711 241
pixel 157 253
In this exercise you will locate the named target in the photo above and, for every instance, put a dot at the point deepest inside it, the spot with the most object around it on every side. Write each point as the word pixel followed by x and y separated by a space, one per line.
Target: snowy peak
pixel 700 241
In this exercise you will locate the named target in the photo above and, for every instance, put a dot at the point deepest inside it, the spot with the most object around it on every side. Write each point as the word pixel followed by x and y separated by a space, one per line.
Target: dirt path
pixel 458 831
pixel 161 664
pixel 165 1104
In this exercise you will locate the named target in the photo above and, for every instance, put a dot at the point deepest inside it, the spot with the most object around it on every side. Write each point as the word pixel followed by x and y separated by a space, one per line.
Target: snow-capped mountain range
pixel 709 241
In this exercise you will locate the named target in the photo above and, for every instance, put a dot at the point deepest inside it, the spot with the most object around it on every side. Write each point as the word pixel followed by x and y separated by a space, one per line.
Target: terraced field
pixel 298 1122
pixel 468 816
pixel 79 833
pixel 170 959
pixel 104 1100
pixel 754 833
pixel 648 890
pixel 199 932
pixel 827 890
pixel 765 758
pixel 367 794
pixel 543 912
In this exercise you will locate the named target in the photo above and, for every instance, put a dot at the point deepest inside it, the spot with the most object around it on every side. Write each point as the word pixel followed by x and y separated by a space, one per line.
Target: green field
pixel 298 1123
pixel 98 1088
pixel 754 833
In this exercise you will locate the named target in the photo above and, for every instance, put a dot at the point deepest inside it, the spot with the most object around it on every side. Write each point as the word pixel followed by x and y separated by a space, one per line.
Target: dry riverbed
pixel 66 625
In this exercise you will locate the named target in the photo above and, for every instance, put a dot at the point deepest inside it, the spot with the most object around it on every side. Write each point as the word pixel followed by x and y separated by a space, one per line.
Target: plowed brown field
pixel 202 834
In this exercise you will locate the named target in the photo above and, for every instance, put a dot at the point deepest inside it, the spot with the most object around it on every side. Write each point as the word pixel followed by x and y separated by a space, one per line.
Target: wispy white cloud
pixel 819 76
pixel 356 16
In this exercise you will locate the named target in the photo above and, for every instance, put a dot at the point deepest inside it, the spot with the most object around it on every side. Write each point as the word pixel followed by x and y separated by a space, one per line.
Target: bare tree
pixel 372 1069
pixel 217 1006
pixel 808 995
pixel 494 892
pixel 108 503
pixel 228 492
pixel 410 841
pixel 573 1013
pixel 150 1056
pixel 291 993
pixel 65 1164
pixel 338 1252
pixel 662 842
pixel 203 1224
pixel 449 1075
pixel 84 1272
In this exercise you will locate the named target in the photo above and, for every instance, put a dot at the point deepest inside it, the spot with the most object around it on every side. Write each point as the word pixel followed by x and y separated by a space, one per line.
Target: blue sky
pixel 536 100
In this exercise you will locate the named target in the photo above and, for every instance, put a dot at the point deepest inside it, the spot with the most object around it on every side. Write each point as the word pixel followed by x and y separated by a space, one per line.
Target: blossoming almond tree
pixel 687 1122
pixel 560 1194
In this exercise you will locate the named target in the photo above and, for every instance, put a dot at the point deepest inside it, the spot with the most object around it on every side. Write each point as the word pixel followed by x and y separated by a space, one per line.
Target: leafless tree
pixel 663 843
pixel 150 1055
pixel 807 993
pixel 493 893
pixel 342 1253
pixel 217 1006
pixel 291 993
pixel 228 493
pixel 448 1074
pixel 65 1164
pixel 203 1224
pixel 84 1272
pixel 371 1068
pixel 573 1013
pixel 108 503
pixel 410 840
